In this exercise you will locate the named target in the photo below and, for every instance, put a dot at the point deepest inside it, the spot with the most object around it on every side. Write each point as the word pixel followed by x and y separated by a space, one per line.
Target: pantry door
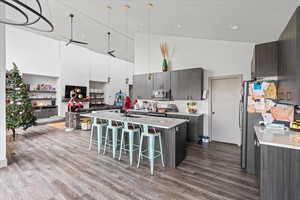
pixel 225 110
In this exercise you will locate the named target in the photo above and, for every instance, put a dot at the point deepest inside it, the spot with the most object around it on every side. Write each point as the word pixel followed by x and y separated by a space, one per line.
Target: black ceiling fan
pixel 110 51
pixel 71 40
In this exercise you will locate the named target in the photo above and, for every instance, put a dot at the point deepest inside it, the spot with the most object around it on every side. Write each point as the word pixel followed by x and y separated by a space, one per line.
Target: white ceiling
pixel 258 20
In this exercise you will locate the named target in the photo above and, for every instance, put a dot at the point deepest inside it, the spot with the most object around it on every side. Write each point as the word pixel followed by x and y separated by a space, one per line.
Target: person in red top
pixel 127 103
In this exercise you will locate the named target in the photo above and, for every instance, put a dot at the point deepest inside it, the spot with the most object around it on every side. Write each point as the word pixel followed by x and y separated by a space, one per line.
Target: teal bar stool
pixel 100 125
pixel 114 127
pixel 151 134
pixel 132 131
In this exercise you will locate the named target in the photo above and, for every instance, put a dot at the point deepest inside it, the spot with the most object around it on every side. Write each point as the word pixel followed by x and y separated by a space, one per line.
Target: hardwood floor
pixel 52 164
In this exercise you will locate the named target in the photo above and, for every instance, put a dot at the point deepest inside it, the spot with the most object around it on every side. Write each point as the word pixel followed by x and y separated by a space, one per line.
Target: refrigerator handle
pixel 240 113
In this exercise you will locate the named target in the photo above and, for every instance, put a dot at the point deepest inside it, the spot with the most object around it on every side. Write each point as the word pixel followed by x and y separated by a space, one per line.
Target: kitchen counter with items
pixel 278 138
pixel 277 163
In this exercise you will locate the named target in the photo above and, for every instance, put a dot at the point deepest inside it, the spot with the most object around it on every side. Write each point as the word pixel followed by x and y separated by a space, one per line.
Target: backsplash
pixel 201 106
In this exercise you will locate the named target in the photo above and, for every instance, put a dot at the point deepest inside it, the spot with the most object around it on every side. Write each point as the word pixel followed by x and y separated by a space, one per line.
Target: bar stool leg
pixel 91 137
pixel 121 146
pixel 140 151
pixel 106 139
pixel 115 135
pixel 151 152
pixel 139 138
pixel 99 137
pixel 161 151
pixel 131 137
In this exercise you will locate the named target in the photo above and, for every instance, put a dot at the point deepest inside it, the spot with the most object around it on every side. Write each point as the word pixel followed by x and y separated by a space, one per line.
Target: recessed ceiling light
pixel 150 5
pixel 179 26
pixel 234 27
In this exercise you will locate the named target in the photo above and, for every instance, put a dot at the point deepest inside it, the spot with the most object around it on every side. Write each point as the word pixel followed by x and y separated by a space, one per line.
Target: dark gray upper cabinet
pixel 179 81
pixel 183 84
pixel 142 86
pixel 195 78
pixel 265 62
pixel 289 62
pixel 162 81
pixel 187 84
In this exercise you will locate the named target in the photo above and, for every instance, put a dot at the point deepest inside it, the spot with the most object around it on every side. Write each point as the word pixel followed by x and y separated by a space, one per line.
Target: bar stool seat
pixel 132 131
pixel 152 154
pixel 114 127
pixel 100 125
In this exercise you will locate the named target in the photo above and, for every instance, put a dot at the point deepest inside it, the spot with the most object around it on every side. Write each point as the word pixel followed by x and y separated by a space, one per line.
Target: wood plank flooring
pixel 52 164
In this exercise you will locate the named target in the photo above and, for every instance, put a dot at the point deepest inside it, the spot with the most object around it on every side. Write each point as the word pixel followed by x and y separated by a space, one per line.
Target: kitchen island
pixel 173 132
pixel 277 156
pixel 195 121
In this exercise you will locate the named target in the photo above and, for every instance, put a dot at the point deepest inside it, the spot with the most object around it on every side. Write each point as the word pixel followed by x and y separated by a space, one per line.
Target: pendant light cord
pixel 149 27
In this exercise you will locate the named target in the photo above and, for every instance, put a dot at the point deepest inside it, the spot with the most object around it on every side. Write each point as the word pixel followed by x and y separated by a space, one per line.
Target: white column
pixel 3 161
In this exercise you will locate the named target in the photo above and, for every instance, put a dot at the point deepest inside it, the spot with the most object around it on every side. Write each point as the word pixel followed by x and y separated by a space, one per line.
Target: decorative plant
pixel 19 111
pixel 164 52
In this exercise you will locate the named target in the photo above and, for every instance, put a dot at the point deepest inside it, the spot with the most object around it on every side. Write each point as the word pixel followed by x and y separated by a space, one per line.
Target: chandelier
pixel 22 8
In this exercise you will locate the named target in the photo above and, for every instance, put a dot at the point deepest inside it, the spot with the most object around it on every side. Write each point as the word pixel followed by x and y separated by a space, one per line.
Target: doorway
pixel 225 96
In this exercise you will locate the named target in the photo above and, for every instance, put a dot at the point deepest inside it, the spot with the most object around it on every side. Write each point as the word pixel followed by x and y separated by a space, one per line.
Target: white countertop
pixel 172 113
pixel 157 122
pixel 279 138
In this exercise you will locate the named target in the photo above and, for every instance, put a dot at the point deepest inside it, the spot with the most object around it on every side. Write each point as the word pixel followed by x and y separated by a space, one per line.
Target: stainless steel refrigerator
pixel 247 121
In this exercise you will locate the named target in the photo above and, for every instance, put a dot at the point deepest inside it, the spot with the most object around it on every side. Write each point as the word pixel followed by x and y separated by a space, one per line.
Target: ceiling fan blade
pixel 69 42
pixel 111 54
pixel 79 42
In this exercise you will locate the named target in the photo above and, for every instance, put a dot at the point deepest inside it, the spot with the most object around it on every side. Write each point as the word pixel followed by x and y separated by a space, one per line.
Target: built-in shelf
pixel 100 98
pixel 44 107
pixel 36 99
pixel 95 93
pixel 42 91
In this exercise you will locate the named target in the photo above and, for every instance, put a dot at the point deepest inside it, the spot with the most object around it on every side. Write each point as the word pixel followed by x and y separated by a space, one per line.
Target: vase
pixel 165 65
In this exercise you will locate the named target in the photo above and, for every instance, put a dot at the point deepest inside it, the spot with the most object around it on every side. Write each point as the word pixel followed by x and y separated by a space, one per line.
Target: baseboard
pixel 3 163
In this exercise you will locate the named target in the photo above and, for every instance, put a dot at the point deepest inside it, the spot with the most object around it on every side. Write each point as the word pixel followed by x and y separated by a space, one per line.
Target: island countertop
pixel 158 122
pixel 170 113
pixel 279 138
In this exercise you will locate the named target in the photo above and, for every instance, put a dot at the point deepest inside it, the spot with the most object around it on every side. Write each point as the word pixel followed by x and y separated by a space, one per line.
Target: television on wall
pixel 70 88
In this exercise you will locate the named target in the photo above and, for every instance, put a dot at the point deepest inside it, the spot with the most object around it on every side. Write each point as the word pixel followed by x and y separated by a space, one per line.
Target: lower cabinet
pixel 278 172
pixel 195 126
pixel 45 112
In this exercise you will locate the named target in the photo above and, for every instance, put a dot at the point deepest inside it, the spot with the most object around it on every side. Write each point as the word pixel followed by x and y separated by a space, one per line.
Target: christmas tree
pixel 19 111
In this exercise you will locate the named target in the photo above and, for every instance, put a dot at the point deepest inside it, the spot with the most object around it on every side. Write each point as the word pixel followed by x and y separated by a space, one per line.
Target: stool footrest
pixel 155 156
pixel 135 148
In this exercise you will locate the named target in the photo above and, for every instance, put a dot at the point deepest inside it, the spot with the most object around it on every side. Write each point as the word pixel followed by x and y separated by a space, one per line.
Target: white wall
pixel 218 58
pixel 3 161
pixel 32 53
pixel 73 65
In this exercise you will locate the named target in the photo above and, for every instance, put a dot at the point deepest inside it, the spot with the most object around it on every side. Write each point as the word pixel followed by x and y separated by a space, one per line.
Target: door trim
pixel 210 80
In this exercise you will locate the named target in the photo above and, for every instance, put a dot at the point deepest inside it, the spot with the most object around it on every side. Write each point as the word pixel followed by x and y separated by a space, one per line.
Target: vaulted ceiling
pixel 232 20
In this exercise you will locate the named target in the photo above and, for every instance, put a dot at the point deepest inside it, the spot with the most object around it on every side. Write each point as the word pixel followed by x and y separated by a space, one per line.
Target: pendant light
pixel 22 8
pixel 149 6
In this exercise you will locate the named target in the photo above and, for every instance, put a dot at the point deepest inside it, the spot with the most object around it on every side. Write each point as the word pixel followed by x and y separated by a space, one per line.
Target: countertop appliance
pixel 161 95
